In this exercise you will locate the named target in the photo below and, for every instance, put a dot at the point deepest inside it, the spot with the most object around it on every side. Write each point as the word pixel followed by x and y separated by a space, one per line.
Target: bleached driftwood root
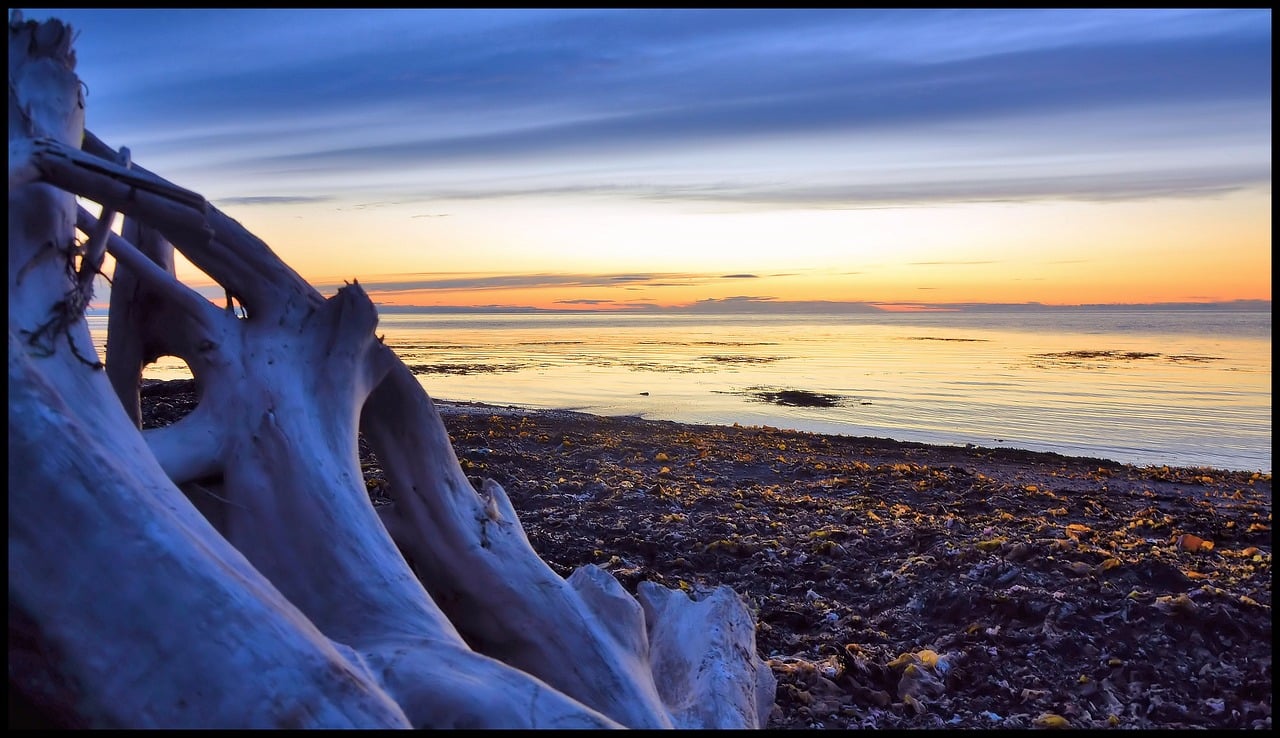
pixel 125 607
pixel 585 636
pixel 273 594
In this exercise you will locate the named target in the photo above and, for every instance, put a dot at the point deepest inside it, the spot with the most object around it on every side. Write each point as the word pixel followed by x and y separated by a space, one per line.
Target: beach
pixel 906 585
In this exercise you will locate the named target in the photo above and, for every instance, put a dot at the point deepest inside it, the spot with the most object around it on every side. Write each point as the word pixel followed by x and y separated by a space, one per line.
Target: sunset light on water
pixel 1144 387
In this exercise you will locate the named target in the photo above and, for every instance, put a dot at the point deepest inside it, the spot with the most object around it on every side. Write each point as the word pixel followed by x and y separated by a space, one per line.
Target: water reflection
pixel 1175 387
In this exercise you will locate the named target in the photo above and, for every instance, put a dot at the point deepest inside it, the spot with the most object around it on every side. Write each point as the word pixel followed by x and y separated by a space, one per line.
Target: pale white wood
pixel 276 596
pixel 126 608
pixel 136 340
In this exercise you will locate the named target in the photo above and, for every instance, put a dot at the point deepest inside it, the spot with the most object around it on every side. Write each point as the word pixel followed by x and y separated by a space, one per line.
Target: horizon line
pixel 763 305
pixel 732 305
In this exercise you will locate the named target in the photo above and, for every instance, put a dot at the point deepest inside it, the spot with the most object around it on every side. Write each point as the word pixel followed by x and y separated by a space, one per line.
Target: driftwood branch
pixel 262 282
pixel 271 593
pixel 157 278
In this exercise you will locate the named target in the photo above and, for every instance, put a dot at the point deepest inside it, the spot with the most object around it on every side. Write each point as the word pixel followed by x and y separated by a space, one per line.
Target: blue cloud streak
pixel 334 93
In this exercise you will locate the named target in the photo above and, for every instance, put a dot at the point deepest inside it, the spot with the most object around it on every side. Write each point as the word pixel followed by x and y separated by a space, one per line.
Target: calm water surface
pixel 1148 387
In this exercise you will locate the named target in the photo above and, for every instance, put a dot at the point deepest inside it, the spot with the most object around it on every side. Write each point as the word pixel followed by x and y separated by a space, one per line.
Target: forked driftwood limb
pixel 275 595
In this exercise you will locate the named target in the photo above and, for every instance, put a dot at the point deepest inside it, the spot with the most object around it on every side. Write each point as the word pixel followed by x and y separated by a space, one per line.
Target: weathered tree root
pixel 276 596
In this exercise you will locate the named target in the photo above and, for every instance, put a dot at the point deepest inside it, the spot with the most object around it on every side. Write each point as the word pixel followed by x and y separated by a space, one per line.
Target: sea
pixel 1151 387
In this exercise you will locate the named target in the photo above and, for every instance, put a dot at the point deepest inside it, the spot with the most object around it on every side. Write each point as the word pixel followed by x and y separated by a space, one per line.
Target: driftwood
pixel 230 570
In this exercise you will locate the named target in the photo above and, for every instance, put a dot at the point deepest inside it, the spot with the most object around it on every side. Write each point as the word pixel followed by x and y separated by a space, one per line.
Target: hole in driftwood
pixel 165 402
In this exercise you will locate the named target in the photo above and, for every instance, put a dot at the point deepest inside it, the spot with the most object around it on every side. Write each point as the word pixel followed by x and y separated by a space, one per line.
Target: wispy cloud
pixel 273 200
pixel 999 183
pixel 818 91
pixel 1090 104
pixel 415 283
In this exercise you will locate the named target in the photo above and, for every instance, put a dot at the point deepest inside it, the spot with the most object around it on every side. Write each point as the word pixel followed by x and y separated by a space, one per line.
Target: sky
pixel 644 158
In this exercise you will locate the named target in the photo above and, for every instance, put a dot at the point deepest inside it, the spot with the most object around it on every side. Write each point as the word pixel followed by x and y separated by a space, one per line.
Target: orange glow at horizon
pixel 1184 250
pixel 1203 249
pixel 811 288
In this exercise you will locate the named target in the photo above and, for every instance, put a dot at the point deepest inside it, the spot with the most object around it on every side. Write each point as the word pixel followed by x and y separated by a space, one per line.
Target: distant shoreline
pixel 809 307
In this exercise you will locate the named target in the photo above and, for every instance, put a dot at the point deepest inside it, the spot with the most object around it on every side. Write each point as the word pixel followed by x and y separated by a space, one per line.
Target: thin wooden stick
pixel 182 297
